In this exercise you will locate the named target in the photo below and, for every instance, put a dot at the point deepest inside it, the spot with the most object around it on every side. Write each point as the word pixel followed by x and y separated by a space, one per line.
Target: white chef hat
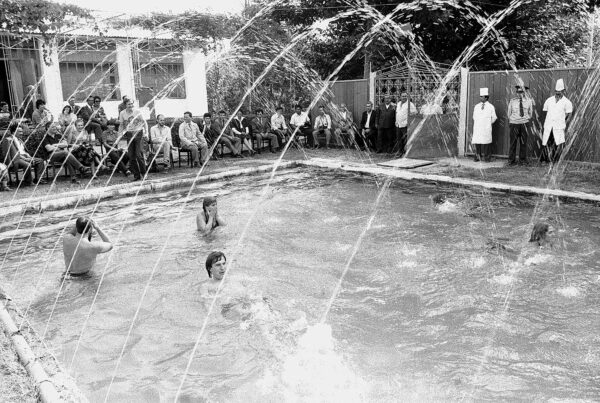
pixel 560 85
pixel 484 92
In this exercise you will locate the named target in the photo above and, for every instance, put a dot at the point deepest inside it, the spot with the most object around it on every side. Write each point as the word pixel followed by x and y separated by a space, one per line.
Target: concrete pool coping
pixel 92 195
pixel 51 381
pixel 408 175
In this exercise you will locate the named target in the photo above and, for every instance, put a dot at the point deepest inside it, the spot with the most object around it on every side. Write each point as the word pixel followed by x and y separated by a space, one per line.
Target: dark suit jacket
pixel 262 126
pixel 219 126
pixel 211 133
pixel 371 124
pixel 386 117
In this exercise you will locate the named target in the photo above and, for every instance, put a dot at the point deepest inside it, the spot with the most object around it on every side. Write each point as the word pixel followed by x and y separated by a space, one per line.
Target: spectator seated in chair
pixel 241 129
pixel 55 150
pixel 261 130
pixel 160 140
pixel 3 178
pixel 110 141
pixel 233 143
pixel 344 132
pixel 300 123
pixel 91 117
pixel 322 126
pixel 15 157
pixel 82 147
pixel 279 127
pixel 192 139
pixel 210 132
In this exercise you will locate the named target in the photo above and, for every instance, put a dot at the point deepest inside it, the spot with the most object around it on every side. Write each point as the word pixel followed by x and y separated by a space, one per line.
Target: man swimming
pixel 208 219
pixel 216 263
pixel 79 250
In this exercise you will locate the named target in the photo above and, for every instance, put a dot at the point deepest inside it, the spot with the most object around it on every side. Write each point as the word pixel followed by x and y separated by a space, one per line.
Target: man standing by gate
pixel 484 116
pixel 558 111
pixel 520 111
pixel 385 123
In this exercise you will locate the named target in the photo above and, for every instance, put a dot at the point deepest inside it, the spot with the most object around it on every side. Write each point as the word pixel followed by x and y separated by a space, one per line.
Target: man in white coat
pixel 484 116
pixel 557 110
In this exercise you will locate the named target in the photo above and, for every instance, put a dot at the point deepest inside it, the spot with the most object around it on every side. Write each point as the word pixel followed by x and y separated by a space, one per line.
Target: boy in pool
pixel 216 263
pixel 208 219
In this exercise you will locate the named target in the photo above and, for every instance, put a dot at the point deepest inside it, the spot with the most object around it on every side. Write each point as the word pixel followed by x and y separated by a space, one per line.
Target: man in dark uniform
pixel 385 123
pixel 368 130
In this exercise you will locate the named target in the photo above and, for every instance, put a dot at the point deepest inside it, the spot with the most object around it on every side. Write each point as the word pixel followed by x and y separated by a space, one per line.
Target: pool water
pixel 439 304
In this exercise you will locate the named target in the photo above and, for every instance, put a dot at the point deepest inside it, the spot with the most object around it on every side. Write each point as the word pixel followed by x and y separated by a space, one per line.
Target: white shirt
pixel 19 146
pixel 323 120
pixel 368 122
pixel 132 122
pixel 556 118
pixel 299 119
pixel 278 122
pixel 160 134
pixel 402 113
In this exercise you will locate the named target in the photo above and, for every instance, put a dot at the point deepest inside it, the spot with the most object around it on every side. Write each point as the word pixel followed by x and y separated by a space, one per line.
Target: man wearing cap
pixel 520 111
pixel 557 110
pixel 484 116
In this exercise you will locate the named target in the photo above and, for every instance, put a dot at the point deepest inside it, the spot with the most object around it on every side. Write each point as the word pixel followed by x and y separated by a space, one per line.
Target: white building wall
pixel 194 70
pixel 196 100
pixel 51 83
pixel 125 70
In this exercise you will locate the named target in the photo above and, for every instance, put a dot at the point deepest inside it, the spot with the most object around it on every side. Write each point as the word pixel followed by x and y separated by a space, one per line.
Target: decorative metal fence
pixel 420 81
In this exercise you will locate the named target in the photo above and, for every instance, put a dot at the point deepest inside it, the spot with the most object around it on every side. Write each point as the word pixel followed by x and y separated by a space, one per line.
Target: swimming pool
pixel 437 305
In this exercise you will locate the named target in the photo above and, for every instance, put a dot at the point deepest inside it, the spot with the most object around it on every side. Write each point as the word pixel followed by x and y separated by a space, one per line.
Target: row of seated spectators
pixel 30 148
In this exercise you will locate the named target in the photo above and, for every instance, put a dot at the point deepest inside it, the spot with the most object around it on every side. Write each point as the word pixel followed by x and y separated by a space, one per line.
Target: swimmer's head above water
pixel 208 202
pixel 83 226
pixel 216 265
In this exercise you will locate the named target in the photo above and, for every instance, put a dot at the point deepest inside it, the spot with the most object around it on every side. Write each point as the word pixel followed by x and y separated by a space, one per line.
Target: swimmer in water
pixel 79 250
pixel 539 233
pixel 216 265
pixel 208 219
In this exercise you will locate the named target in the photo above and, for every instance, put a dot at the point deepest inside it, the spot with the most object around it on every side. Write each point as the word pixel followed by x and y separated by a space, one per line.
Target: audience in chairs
pixel 322 126
pixel 160 139
pixel 15 157
pixel 279 127
pixel 344 132
pixel 261 130
pixel 83 147
pixel 56 150
pixel 233 143
pixel 241 129
pixel 117 156
pixel 192 139
pixel 300 122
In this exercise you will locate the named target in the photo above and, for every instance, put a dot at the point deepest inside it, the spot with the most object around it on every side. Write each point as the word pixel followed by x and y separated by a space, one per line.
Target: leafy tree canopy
pixel 27 17
pixel 536 34
pixel 200 28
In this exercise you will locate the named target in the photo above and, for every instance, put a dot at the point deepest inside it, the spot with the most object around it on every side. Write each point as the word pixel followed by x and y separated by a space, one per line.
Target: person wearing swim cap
pixel 208 219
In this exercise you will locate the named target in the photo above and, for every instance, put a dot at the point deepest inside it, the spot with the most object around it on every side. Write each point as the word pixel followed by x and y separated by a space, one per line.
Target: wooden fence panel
pixel 354 93
pixel 578 83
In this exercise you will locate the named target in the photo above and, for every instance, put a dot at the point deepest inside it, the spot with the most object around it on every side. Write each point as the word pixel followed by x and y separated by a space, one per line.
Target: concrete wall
pixel 194 74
